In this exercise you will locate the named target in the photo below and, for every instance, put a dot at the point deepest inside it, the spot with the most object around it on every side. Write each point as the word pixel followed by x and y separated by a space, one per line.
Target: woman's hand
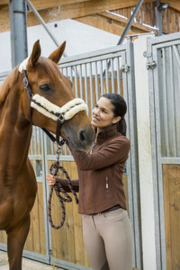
pixel 51 179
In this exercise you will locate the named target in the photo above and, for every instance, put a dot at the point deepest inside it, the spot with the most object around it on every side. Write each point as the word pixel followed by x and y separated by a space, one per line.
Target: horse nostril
pixel 82 136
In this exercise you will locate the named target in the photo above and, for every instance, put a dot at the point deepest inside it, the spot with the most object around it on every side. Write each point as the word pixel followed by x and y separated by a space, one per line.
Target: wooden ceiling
pixel 91 12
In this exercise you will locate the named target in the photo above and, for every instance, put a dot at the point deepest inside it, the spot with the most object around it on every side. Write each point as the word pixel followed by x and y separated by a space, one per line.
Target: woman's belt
pixel 107 210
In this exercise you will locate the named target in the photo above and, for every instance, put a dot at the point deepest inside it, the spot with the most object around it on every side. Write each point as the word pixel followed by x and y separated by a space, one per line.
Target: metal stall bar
pixel 18 27
pixel 132 165
pixel 164 90
pixel 166 130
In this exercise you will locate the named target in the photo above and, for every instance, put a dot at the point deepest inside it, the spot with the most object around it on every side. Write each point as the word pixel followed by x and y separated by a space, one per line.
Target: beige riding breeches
pixel 108 240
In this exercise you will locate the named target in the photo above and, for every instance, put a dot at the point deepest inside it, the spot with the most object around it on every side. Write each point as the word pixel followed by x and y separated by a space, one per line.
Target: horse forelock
pixel 50 68
pixel 7 84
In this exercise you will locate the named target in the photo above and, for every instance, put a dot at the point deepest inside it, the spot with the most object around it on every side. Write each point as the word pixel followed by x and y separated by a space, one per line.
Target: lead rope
pixel 59 189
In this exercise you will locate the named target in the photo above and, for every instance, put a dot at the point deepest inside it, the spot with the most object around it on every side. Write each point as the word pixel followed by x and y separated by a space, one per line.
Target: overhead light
pixel 163 6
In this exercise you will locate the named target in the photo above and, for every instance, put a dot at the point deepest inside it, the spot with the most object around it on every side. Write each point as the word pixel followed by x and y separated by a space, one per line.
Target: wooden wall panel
pixel 171 176
pixel 3 237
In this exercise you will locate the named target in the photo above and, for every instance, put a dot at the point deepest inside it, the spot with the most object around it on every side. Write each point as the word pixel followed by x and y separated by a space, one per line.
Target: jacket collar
pixel 107 133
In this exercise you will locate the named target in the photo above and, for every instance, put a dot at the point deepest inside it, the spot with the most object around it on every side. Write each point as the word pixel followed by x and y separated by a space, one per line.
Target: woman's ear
pixel 116 119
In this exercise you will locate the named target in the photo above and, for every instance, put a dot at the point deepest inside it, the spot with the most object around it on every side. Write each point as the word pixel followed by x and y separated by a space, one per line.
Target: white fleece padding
pixel 23 65
pixel 69 109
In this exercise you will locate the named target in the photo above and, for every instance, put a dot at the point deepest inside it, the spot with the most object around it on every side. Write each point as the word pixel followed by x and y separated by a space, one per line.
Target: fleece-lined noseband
pixel 47 108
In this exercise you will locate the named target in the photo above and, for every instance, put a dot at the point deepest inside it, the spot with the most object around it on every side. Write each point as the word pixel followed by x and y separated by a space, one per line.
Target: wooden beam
pixel 175 4
pixel 3 6
pixel 94 6
pixel 4 21
pixel 111 25
pixel 74 11
pixel 136 26
pixel 4 2
pixel 43 4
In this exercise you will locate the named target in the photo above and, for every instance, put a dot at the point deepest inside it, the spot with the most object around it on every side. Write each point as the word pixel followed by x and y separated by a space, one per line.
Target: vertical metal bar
pixel 158 16
pixel 112 75
pixel 101 78
pixel 176 54
pixel 18 27
pixel 118 76
pixel 165 104
pixel 91 87
pixel 96 81
pixel 173 112
pixel 154 78
pixel 86 85
pixel 66 72
pixel 80 81
pixel 76 82
pixel 72 78
pixel 107 77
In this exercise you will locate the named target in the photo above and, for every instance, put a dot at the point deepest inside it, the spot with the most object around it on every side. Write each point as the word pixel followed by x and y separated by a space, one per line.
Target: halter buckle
pixel 26 83
pixel 61 118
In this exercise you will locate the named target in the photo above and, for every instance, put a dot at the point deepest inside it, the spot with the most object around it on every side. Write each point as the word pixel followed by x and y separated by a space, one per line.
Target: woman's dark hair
pixel 119 109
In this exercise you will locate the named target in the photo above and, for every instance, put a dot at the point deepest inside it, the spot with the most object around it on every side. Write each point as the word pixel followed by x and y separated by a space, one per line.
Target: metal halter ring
pixel 61 118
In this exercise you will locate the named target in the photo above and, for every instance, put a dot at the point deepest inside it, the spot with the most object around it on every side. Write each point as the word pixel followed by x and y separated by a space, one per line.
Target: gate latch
pixel 151 65
pixel 125 68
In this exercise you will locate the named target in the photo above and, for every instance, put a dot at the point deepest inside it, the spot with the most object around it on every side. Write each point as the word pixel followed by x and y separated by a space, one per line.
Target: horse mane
pixel 7 84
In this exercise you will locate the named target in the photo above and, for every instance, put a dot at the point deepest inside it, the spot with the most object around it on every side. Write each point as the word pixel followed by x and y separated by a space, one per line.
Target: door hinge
pixel 125 68
pixel 151 65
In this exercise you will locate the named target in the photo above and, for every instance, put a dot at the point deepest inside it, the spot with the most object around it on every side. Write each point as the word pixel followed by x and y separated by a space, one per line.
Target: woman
pixel 106 226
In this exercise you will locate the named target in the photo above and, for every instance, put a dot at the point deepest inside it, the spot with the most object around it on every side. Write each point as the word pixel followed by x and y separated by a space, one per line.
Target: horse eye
pixel 45 88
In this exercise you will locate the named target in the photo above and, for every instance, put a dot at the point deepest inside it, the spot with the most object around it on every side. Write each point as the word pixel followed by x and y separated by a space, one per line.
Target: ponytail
pixel 121 126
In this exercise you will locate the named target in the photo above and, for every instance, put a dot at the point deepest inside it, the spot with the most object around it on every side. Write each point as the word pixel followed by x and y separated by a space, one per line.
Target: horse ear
pixel 36 52
pixel 57 54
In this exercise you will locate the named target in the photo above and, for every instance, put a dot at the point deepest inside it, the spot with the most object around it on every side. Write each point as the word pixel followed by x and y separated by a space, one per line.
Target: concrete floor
pixel 26 264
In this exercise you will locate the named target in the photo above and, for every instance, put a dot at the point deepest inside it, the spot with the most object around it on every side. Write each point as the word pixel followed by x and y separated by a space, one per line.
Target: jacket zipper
pixel 83 193
pixel 107 185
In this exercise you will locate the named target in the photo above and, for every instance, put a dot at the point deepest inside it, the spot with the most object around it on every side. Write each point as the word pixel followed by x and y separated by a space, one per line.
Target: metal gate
pixel 164 78
pixel 106 71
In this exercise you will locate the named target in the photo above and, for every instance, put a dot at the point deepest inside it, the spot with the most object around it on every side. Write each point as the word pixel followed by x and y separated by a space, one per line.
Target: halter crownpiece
pixel 23 65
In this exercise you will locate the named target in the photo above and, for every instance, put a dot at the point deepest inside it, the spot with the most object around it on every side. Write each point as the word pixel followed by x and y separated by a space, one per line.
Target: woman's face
pixel 103 115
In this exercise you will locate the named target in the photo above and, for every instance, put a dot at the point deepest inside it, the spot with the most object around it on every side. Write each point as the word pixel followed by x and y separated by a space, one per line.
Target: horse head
pixel 50 99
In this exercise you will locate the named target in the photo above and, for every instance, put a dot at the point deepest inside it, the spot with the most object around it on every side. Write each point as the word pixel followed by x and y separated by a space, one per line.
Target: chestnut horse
pixel 17 179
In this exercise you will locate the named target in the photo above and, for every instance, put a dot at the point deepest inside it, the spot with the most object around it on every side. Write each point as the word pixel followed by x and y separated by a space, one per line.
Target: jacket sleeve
pixel 65 186
pixel 115 151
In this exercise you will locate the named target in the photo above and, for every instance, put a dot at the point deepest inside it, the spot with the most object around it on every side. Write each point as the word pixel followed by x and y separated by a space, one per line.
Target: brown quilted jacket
pixel 100 172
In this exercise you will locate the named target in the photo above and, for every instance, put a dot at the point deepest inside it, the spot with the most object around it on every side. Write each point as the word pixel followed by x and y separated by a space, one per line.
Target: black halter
pixel 60 120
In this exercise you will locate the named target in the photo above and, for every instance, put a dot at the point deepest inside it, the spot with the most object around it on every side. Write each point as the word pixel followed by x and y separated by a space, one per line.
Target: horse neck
pixel 15 130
